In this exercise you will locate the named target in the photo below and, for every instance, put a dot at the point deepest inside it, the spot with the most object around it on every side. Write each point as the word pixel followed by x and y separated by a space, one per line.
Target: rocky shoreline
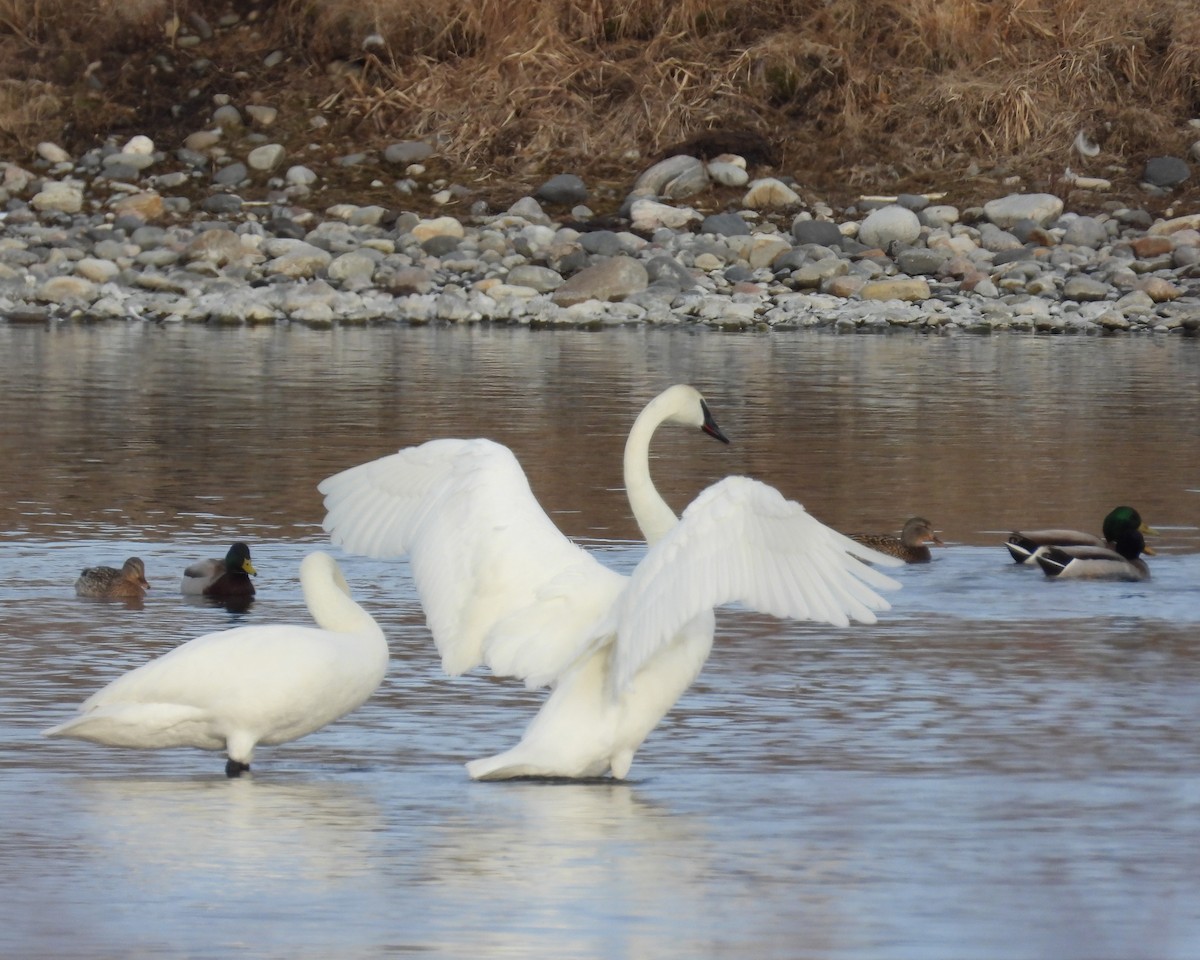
pixel 128 232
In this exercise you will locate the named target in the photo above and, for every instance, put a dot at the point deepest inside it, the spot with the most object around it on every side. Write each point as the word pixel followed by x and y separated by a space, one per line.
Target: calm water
pixel 1001 768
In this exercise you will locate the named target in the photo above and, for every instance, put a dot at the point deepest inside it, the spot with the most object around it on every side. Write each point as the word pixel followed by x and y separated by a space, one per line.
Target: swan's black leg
pixel 235 768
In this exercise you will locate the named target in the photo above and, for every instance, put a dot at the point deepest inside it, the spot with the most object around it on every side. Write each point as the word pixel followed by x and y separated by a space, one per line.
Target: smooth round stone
pixel 231 175
pixel 228 118
pixel 1166 171
pixel 59 196
pixel 823 232
pixel 539 279
pixel 1006 212
pixel 1086 232
pixel 1085 289
pixel 674 178
pixel 222 203
pixel 52 153
pixel 266 157
pixel 888 225
pixel 611 279
pixel 770 194
pixel 261 115
pixel 651 215
pixel 563 189
pixel 725 225
pixel 728 174
pixel 140 144
pixel 407 152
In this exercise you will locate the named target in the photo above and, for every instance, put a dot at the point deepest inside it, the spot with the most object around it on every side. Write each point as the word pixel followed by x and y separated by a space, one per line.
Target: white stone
pixel 888 225
pixel 260 115
pixel 67 289
pixel 266 157
pixel 437 227
pixel 1007 212
pixel 140 145
pixel 299 176
pixel 770 193
pixel 649 214
pixel 674 178
pixel 52 153
pixel 728 174
pixel 96 270
pixel 63 196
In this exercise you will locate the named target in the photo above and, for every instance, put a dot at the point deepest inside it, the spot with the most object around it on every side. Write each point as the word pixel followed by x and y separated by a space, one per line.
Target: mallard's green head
pixel 237 560
pixel 1123 519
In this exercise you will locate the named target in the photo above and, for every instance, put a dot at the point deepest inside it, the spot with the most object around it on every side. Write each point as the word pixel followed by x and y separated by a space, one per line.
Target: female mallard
pixel 227 579
pixel 1122 562
pixel 1025 547
pixel 910 546
pixel 128 583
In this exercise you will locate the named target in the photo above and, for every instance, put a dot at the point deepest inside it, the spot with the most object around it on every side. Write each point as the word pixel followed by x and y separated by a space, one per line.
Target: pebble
pixel 127 232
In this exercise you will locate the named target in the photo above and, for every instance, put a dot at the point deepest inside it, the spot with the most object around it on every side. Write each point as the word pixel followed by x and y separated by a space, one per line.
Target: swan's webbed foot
pixel 235 768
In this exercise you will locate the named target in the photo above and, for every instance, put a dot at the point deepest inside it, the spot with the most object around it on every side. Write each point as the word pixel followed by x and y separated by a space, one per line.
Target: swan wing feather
pixel 499 583
pixel 742 541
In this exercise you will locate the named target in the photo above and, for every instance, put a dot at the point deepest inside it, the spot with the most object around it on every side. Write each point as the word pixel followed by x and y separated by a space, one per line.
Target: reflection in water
pixel 1002 767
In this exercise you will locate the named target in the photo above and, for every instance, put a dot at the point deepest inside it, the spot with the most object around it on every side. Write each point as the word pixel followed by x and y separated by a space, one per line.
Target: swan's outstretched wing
pixel 741 541
pixel 499 583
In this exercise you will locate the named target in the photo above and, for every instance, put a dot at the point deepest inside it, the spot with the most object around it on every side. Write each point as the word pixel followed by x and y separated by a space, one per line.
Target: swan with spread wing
pixel 503 588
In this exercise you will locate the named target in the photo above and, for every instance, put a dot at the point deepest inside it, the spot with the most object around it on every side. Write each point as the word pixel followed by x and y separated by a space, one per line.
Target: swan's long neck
pixel 328 599
pixel 650 510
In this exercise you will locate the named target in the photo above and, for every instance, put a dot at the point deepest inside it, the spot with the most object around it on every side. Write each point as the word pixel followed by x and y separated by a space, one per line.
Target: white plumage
pixel 502 587
pixel 238 688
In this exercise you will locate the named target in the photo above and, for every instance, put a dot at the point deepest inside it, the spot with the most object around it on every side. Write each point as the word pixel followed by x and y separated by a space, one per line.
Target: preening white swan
pixel 502 586
pixel 238 688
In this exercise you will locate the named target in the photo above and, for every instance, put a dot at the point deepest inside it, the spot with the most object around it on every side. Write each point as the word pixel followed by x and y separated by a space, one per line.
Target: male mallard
pixel 1122 562
pixel 1025 547
pixel 227 579
pixel 910 546
pixel 128 583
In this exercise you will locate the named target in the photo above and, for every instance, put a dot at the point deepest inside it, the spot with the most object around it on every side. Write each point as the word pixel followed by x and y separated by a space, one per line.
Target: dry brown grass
pixel 857 89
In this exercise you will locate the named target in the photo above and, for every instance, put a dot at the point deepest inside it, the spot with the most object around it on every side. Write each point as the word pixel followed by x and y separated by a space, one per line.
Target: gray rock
pixel 527 208
pixel 601 243
pixel 297 259
pixel 919 260
pixel 222 203
pixel 1165 172
pixel 353 269
pixel 674 178
pixel 408 152
pixel 992 238
pixel 725 224
pixel 1085 289
pixel 611 279
pixel 667 270
pixel 541 279
pixel 231 175
pixel 563 189
pixel 228 118
pixel 823 232
pixel 1086 232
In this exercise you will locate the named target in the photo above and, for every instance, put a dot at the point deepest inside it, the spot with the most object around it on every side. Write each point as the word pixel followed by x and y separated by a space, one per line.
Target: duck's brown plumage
pixel 128 583
pixel 912 544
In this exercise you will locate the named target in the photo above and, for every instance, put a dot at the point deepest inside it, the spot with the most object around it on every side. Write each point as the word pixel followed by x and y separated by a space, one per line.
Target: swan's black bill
pixel 710 425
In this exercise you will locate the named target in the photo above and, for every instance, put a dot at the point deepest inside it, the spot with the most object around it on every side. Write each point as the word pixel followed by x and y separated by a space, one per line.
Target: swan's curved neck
pixel 331 607
pixel 654 517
